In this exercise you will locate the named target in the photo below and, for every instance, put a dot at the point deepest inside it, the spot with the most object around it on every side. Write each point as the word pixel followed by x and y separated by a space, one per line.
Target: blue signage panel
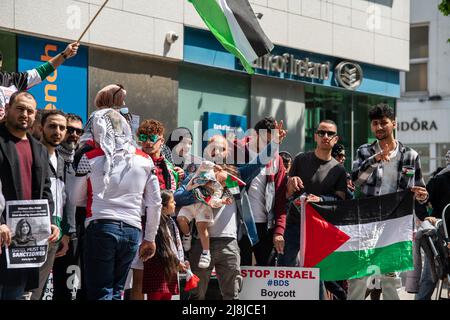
pixel 222 123
pixel 64 89
pixel 201 47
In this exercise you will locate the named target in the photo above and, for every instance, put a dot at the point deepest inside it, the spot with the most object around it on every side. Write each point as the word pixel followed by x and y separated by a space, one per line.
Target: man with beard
pixel 66 266
pixel 54 126
pixel 382 167
pixel 321 177
pixel 24 176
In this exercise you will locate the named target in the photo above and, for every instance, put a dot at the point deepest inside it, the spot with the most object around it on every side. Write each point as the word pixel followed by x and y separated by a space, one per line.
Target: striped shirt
pixel 367 173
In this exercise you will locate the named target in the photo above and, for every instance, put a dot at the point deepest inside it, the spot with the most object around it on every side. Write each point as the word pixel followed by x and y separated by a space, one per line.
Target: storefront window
pixel 442 149
pixel 324 103
pixel 424 153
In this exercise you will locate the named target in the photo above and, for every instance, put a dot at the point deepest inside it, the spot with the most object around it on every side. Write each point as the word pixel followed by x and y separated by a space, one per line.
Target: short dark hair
pixel 268 123
pixel 38 116
pixel 337 150
pixel 49 113
pixel 16 94
pixel 380 111
pixel 286 156
pixel 73 117
pixel 327 121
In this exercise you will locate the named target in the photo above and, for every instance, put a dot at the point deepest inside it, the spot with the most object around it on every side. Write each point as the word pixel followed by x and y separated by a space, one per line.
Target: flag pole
pixel 87 28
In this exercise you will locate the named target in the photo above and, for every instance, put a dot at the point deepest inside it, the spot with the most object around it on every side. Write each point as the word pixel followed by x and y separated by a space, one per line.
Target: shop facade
pixel 301 88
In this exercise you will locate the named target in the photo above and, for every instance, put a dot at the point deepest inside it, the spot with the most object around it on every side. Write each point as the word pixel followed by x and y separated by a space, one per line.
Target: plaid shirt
pixel 367 172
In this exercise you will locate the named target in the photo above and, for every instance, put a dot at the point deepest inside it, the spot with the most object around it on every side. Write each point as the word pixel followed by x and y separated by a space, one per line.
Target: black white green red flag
pixel 234 24
pixel 352 238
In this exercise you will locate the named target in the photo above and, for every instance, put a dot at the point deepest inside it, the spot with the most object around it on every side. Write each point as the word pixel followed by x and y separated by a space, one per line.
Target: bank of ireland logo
pixel 348 75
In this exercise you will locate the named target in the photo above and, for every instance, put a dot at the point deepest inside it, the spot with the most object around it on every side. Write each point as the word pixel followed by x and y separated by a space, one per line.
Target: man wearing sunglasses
pixel 321 177
pixel 150 137
pixel 68 254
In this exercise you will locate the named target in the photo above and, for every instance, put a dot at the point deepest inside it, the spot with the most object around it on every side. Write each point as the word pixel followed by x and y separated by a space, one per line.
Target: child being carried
pixel 209 186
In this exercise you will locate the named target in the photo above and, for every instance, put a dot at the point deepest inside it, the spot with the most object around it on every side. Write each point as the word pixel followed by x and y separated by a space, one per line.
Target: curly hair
pixel 380 111
pixel 151 126
pixel 268 123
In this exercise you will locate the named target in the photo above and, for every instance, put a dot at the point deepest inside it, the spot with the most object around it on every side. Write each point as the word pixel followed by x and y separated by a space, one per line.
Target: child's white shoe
pixel 205 260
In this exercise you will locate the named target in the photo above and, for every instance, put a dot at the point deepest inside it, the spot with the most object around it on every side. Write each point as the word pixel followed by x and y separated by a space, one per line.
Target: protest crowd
pixel 135 212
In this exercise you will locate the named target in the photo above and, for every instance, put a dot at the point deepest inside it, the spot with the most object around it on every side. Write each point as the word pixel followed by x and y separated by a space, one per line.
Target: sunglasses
pixel 154 138
pixel 322 133
pixel 78 131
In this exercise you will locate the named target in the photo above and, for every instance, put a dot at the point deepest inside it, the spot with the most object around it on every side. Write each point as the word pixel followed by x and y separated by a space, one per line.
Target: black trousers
pixel 64 269
pixel 262 250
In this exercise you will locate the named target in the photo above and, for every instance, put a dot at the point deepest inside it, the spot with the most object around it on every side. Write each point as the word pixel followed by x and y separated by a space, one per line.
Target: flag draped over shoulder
pixel 355 238
pixel 234 24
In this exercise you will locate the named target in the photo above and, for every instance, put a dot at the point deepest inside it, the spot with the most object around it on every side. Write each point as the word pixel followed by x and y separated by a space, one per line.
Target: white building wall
pixel 418 106
pixel 370 31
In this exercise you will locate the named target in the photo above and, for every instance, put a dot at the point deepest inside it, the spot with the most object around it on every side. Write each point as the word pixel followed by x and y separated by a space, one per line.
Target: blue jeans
pixel 13 281
pixel 109 251
pixel 8 292
pixel 426 286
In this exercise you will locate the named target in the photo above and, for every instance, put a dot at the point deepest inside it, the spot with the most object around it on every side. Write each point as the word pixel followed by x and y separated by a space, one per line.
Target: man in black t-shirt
pixel 317 174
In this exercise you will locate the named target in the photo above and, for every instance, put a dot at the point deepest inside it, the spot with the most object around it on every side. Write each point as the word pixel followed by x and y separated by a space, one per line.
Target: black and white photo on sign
pixel 29 222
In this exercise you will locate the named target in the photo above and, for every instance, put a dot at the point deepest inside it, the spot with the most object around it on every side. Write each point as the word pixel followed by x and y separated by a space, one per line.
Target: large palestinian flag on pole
pixel 234 24
pixel 353 238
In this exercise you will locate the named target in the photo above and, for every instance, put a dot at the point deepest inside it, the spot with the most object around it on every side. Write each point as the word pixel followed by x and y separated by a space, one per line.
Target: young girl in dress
pixel 160 280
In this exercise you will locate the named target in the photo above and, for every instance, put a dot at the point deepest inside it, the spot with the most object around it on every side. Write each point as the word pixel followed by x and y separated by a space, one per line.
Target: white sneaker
pixel 205 260
pixel 186 241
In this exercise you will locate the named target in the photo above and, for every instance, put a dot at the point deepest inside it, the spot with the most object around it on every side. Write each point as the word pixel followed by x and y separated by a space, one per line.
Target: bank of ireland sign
pixel 348 75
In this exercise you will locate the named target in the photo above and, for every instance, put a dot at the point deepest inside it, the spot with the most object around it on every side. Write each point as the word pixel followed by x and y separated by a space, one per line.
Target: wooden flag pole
pixel 87 28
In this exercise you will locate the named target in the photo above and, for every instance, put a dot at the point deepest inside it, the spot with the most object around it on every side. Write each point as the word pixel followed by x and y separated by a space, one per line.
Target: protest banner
pixel 29 222
pixel 280 283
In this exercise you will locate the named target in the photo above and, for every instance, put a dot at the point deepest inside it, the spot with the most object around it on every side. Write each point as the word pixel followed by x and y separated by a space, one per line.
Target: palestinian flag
pixel 233 184
pixel 355 238
pixel 234 24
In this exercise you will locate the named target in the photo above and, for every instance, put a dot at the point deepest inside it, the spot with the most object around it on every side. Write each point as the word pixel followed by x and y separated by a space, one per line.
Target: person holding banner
pixel 382 167
pixel 25 176
pixel 321 177
pixel 11 82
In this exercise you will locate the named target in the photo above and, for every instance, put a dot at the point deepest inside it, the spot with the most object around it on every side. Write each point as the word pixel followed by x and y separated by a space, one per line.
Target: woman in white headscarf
pixel 115 181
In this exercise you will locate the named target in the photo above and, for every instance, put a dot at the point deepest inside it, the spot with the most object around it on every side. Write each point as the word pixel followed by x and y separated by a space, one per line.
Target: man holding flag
pixel 382 167
pixel 11 82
